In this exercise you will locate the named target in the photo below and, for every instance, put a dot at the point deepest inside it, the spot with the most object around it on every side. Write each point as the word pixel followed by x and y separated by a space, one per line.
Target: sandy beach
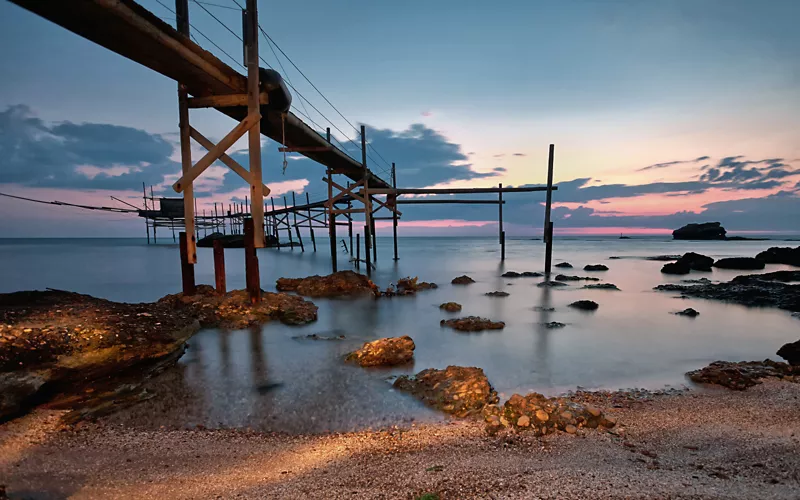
pixel 704 443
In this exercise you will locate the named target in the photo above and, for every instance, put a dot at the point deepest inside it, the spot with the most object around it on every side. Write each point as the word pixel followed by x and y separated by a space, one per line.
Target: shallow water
pixel 266 378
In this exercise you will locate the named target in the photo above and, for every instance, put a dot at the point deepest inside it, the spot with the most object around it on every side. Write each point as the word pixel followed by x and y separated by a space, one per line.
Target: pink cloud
pixel 434 223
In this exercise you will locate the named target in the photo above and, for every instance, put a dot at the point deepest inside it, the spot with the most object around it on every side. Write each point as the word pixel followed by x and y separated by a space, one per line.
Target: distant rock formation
pixel 704 231
pixel 780 255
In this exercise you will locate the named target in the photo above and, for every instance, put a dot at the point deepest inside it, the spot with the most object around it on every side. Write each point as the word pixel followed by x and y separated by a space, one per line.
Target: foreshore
pixel 705 443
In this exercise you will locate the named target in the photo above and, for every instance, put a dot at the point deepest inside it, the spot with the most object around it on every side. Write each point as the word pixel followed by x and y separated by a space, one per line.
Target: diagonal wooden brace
pixel 344 192
pixel 227 160
pixel 214 153
pixel 385 205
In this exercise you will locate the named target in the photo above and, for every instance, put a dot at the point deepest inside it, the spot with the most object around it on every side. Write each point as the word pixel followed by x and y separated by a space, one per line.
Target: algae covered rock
pixel 462 280
pixel 340 284
pixel 451 306
pixel 458 390
pixel 384 352
pixel 472 324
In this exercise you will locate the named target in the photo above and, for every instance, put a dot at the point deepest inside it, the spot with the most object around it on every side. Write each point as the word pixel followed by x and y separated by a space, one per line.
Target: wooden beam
pixel 224 158
pixel 349 211
pixel 305 150
pixel 214 153
pixel 401 191
pixel 224 101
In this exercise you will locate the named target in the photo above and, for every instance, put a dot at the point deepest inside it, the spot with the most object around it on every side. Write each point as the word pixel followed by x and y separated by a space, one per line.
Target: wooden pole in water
pixel 367 204
pixel 153 207
pixel 277 224
pixel 394 214
pixel 253 109
pixel 548 225
pixel 187 269
pixel 251 271
pixel 358 250
pixel 331 215
pixel 310 226
pixel 219 267
pixel 500 219
pixel 288 225
pixel 350 222
pixel 146 220
pixel 294 216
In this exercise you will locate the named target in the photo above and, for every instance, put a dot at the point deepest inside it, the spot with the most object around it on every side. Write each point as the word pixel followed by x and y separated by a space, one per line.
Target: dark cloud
pixel 37 154
pixel 672 163
pixel 499 169
pixel 520 154
pixel 423 157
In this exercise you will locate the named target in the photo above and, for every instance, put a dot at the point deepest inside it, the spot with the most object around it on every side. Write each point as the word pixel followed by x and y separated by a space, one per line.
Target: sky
pixel 662 113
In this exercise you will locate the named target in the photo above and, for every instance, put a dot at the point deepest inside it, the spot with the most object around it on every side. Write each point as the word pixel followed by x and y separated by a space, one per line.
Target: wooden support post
pixel 349 223
pixel 146 220
pixel 502 235
pixel 252 276
pixel 548 225
pixel 288 226
pixel 299 239
pixel 394 214
pixel 219 267
pixel 253 108
pixel 277 223
pixel 187 268
pixel 358 250
pixel 182 19
pixel 153 206
pixel 367 204
pixel 374 240
pixel 310 227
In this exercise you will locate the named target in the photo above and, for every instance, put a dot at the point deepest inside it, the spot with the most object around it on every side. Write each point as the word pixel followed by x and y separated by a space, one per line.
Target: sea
pixel 273 378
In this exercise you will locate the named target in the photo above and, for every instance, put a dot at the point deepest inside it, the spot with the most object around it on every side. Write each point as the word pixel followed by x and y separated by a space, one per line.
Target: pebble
pixel 524 421
pixel 571 429
pixel 542 415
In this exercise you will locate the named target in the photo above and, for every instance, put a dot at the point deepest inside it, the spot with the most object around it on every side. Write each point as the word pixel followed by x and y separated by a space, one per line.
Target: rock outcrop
pixel 740 376
pixel 460 391
pixel 688 312
pixel 384 352
pixel 462 280
pixel 689 261
pixel 234 310
pixel 703 231
pixel 539 415
pixel 550 284
pixel 780 255
pixel 746 290
pixel 497 293
pixel 584 305
pixel 451 306
pixel 743 263
pixel 414 285
pixel 472 324
pixel 675 268
pixel 595 267
pixel 564 265
pixel 791 353
pixel 341 284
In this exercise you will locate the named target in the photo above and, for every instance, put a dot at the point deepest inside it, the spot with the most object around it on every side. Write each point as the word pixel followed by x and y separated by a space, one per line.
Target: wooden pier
pixel 260 104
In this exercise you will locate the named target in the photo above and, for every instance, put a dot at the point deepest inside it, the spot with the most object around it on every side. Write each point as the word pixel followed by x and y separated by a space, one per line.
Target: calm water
pixel 266 378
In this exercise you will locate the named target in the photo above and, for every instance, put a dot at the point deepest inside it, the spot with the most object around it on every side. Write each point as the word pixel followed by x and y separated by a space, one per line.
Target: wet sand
pixel 705 443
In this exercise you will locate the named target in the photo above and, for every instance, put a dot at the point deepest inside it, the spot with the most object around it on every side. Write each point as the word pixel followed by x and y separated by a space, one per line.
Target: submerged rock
pixel 462 280
pixel 697 281
pixel 341 284
pixel 780 255
pixel 550 284
pixel 791 353
pixel 564 265
pixel 472 324
pixel 782 276
pixel 540 415
pixel 688 312
pixel 460 391
pixel 564 277
pixel 703 231
pixel 315 336
pixel 526 274
pixel 745 290
pixel 554 324
pixel 595 267
pixel 663 258
pixel 739 263
pixel 585 305
pixel 544 309
pixel 384 352
pixel 739 376
pixel 451 306
pixel 497 293
pixel 601 286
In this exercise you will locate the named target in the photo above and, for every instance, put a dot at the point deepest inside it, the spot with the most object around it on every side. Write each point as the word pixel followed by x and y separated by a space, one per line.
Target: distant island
pixel 707 231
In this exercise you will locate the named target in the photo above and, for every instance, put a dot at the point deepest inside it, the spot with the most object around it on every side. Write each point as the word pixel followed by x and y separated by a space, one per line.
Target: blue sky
pixel 457 93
